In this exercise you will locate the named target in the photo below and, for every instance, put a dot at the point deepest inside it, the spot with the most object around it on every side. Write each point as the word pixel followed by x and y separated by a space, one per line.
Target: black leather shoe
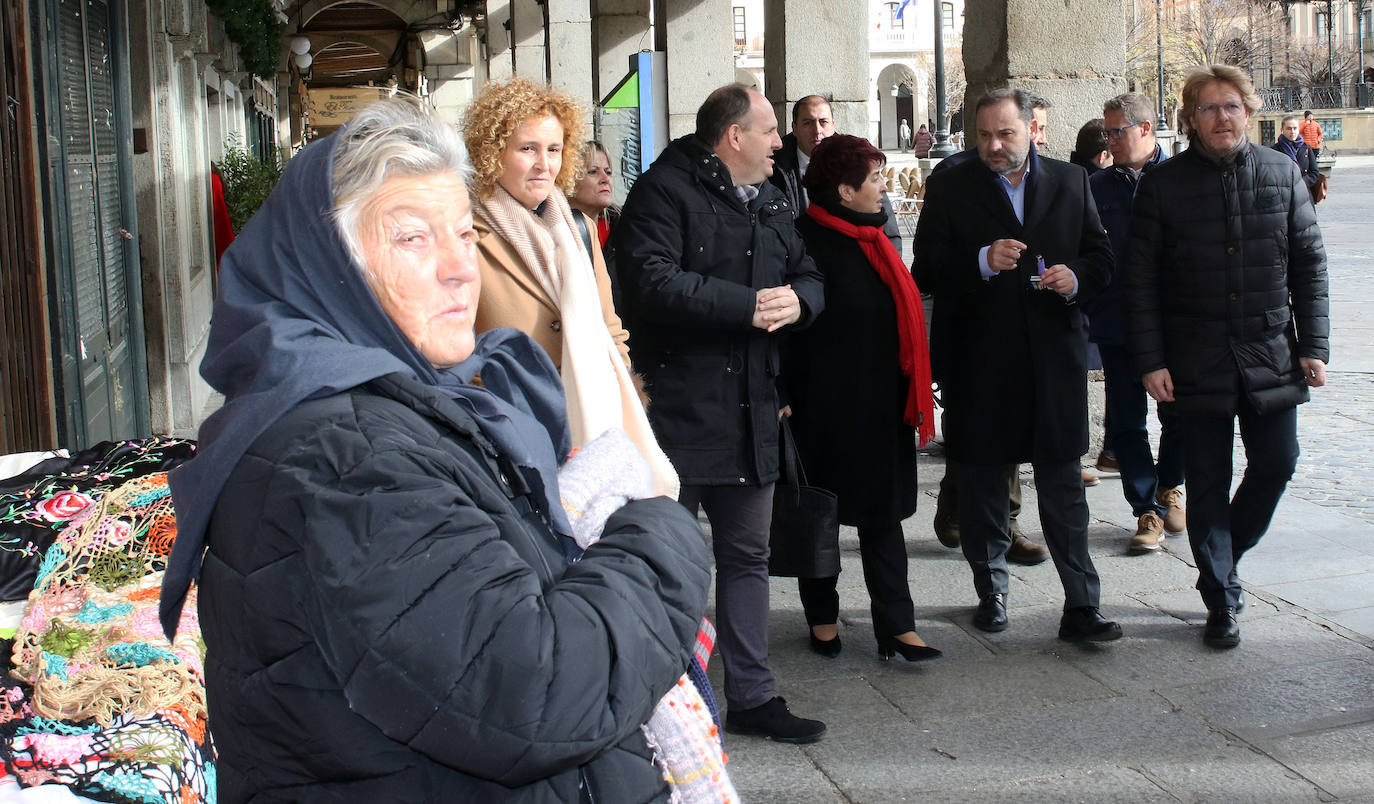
pixel 829 648
pixel 1222 630
pixel 1240 602
pixel 991 614
pixel 890 646
pixel 772 721
pixel 1086 624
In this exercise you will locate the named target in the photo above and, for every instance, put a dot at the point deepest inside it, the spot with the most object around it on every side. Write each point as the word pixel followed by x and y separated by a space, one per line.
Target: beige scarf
pixel 600 392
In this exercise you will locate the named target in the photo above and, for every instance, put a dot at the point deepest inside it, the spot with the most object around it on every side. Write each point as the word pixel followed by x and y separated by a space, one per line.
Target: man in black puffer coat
pixel 711 269
pixel 1227 317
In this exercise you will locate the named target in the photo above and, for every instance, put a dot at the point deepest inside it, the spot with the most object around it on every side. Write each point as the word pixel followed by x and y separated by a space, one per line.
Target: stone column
pixel 620 29
pixel 697 36
pixel 570 50
pixel 817 49
pixel 527 36
pixel 499 40
pixel 1072 52
pixel 449 71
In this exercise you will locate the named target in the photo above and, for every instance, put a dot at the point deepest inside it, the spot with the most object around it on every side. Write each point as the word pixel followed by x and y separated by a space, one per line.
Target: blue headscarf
pixel 295 320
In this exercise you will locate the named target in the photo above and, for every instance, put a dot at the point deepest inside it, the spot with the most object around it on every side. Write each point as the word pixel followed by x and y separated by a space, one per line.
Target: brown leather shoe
pixel 1024 551
pixel 1107 463
pixel 1090 479
pixel 1175 515
pixel 946 523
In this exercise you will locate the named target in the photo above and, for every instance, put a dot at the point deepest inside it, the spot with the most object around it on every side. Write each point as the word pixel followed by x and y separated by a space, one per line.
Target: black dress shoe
pixel 829 648
pixel 1222 630
pixel 1086 624
pixel 887 646
pixel 771 720
pixel 1240 602
pixel 991 614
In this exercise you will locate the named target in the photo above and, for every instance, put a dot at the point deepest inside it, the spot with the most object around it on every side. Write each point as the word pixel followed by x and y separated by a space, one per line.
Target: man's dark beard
pixel 1010 167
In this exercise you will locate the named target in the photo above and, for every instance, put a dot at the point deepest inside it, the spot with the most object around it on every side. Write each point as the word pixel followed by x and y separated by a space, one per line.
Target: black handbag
pixel 804 540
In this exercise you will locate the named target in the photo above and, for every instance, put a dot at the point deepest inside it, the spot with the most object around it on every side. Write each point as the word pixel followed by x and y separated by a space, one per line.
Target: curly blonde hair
pixel 501 108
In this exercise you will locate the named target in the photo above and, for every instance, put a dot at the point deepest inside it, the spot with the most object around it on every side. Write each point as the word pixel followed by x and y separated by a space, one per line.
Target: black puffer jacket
pixel 413 630
pixel 691 259
pixel 1225 260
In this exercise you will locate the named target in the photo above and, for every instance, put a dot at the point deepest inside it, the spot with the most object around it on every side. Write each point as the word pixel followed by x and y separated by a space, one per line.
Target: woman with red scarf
pixel 858 383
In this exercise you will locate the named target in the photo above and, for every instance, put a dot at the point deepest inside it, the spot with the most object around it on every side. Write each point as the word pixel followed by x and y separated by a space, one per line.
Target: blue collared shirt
pixel 1017 196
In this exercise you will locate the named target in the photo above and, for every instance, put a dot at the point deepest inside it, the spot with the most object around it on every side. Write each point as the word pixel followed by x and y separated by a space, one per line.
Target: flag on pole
pixel 901 9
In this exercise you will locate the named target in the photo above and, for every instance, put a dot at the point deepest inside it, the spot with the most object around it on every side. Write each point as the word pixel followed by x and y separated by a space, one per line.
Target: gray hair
pixel 1134 107
pixel 397 136
pixel 1025 101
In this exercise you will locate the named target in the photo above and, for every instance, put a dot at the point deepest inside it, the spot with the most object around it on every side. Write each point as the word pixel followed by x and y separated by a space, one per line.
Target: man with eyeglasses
pixel 1226 295
pixel 1153 490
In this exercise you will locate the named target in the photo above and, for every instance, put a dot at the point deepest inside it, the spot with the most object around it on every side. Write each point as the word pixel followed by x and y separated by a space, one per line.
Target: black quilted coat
pixel 474 664
pixel 691 258
pixel 1226 281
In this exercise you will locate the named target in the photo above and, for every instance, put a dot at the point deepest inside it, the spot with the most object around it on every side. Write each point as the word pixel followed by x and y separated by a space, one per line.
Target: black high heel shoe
pixel 887 646
pixel 829 648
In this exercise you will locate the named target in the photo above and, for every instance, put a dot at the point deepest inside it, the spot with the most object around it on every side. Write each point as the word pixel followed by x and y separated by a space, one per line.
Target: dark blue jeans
pixel 1129 440
pixel 1222 527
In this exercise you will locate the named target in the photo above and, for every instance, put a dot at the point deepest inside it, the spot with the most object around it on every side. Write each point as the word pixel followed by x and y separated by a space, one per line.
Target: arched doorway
pixel 895 102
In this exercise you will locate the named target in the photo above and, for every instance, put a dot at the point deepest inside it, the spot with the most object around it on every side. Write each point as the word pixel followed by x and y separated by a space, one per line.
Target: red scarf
pixel 914 353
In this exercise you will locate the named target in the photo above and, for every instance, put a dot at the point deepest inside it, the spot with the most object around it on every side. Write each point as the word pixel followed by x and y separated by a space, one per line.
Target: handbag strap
pixel 792 468
pixel 582 227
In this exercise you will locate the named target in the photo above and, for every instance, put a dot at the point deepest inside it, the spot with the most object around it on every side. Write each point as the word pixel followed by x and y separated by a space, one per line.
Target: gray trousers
pixel 740 517
pixel 1063 514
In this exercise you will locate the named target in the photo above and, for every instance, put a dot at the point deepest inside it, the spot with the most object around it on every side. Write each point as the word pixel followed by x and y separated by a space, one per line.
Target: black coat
pixel 691 257
pixel 1012 359
pixel 388 620
pixel 847 390
pixel 1224 261
pixel 1114 191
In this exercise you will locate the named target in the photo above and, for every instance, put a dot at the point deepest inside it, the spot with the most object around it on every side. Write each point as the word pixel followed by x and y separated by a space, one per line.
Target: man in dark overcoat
pixel 1227 316
pixel 1014 241
pixel 712 272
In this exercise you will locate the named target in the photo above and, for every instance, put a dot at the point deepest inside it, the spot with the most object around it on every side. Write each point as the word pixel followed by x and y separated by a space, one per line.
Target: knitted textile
pixel 39 504
pixel 159 758
pixel 116 712
pixel 90 642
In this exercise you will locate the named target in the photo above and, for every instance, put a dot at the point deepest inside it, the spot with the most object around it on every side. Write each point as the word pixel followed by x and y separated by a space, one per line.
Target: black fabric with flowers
pixel 35 506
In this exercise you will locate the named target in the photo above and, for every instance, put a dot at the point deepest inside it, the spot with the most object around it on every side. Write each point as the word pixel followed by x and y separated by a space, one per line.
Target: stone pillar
pixel 1009 42
pixel 527 37
pixel 449 71
pixel 570 50
pixel 817 49
pixel 697 37
pixel 620 29
pixel 499 51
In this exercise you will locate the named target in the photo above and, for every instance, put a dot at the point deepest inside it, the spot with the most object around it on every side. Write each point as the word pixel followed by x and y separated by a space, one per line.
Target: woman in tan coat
pixel 536 274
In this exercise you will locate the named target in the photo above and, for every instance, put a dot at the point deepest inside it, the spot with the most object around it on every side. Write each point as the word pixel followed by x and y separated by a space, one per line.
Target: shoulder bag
pixel 804 541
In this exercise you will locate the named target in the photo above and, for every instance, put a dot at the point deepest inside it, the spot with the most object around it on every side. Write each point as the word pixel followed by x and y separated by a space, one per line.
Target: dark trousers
pixel 949 483
pixel 1222 526
pixel 883 551
pixel 985 535
pixel 740 517
pixel 1128 439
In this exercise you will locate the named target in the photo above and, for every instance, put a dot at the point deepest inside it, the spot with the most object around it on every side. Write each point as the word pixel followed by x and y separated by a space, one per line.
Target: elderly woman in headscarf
pixel 537 276
pixel 387 586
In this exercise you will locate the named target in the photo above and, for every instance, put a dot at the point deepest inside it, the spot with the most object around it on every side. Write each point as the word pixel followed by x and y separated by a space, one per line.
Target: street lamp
pixel 1162 126
pixel 942 147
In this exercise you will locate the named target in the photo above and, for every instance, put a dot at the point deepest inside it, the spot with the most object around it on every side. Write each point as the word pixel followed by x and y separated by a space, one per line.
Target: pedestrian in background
pixel 1292 145
pixel 861 446
pixel 923 142
pixel 1090 150
pixel 1227 304
pixel 1311 132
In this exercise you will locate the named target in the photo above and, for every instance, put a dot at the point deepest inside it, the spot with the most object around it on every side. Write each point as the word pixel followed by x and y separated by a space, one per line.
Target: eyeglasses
pixel 1213 109
pixel 1114 133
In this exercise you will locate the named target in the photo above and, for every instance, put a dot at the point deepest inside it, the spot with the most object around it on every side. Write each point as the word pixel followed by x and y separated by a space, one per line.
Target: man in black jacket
pixel 1153 490
pixel 1014 240
pixel 1227 315
pixel 712 268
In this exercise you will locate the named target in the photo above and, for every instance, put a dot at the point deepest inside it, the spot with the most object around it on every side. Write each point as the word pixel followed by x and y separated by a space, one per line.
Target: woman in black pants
pixel 858 384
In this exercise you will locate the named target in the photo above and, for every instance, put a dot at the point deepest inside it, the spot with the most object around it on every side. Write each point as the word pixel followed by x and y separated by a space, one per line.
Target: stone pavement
pixel 1288 716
